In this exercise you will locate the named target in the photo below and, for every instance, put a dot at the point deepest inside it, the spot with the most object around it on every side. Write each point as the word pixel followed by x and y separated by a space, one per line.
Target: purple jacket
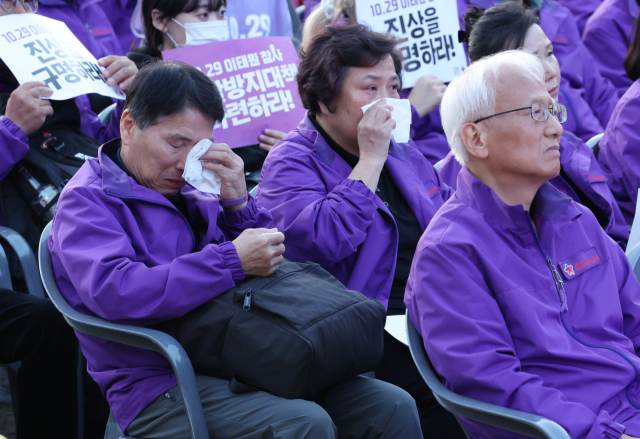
pixel 580 119
pixel 498 327
pixel 13 146
pixel 581 10
pixel 581 166
pixel 123 252
pixel 608 35
pixel 88 23
pixel 576 63
pixel 119 13
pixel 427 133
pixel 337 222
pixel 620 152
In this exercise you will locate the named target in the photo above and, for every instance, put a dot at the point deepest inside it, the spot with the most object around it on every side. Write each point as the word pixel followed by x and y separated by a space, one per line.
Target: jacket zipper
pixel 246 305
pixel 563 299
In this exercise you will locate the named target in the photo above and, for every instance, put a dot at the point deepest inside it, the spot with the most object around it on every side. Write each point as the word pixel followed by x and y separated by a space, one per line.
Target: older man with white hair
pixel 521 298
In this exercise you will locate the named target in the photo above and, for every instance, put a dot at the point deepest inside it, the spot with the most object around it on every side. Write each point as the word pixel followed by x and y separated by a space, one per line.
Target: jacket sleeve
pixel 469 344
pixel 629 291
pixel 328 224
pixel 13 145
pixel 90 245
pixel 428 135
pixel 91 122
pixel 601 95
pixel 252 216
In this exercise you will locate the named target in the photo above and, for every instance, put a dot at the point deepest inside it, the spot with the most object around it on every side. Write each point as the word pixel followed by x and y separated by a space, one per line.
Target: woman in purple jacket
pixel 620 145
pixel 347 196
pixel 510 26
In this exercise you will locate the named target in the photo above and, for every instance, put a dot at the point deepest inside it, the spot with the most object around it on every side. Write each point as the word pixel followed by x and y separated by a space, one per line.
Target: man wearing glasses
pixel 522 299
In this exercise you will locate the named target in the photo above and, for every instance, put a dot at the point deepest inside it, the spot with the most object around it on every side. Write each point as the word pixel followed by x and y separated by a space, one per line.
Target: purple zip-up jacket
pixel 87 21
pixel 608 35
pixel 427 132
pixel 499 328
pixel 580 119
pixel 119 13
pixel 581 10
pixel 581 166
pixel 13 146
pixel 620 152
pixel 576 63
pixel 123 252
pixel 337 222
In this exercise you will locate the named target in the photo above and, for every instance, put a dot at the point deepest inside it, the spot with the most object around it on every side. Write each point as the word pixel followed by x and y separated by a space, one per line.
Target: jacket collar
pixel 322 149
pixel 548 202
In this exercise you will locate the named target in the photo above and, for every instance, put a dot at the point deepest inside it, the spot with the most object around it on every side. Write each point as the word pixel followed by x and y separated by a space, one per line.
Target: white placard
pixel 634 234
pixel 37 48
pixel 431 29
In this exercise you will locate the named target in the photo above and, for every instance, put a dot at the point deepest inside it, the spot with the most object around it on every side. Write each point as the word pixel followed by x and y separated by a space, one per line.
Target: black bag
pixel 293 334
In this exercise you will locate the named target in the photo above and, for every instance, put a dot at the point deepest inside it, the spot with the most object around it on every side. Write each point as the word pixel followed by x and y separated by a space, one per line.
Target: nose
pixel 20 8
pixel 553 128
pixel 549 71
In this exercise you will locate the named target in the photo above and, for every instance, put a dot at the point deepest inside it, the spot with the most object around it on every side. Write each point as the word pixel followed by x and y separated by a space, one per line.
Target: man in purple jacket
pixel 522 300
pixel 132 243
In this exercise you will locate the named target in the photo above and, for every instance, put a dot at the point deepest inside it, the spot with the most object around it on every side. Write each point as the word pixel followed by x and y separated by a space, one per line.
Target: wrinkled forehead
pixel 515 85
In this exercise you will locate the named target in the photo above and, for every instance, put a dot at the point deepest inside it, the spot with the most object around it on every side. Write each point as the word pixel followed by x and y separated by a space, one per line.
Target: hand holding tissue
pixel 401 114
pixel 204 180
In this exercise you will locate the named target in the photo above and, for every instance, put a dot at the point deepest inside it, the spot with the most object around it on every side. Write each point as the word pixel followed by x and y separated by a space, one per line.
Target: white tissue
pixel 202 179
pixel 401 114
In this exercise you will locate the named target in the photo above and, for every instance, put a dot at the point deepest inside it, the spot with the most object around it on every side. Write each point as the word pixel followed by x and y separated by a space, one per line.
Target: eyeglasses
pixel 30 6
pixel 539 112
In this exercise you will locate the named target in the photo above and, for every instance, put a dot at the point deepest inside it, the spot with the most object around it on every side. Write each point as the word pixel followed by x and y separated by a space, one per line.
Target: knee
pixel 404 405
pixel 313 423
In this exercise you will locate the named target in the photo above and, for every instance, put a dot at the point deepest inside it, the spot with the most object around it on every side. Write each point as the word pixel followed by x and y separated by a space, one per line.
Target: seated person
pixel 578 66
pixel 608 36
pixel 620 145
pixel 510 26
pixel 119 13
pixel 133 244
pixel 347 196
pixel 164 27
pixel 522 300
pixel 581 10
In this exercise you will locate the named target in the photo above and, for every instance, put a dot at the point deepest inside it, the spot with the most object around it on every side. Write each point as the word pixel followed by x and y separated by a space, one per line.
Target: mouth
pixel 554 91
pixel 554 149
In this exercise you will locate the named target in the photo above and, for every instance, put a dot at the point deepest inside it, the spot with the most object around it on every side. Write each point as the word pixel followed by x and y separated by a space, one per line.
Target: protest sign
pixel 430 28
pixel 256 79
pixel 264 18
pixel 37 48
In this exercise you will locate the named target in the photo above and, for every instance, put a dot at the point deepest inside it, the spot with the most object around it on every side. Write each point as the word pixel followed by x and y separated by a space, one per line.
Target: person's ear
pixel 127 125
pixel 323 108
pixel 473 140
pixel 158 22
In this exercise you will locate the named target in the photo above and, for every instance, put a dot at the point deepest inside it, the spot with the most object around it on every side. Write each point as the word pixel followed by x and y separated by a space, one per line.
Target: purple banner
pixel 257 81
pixel 253 18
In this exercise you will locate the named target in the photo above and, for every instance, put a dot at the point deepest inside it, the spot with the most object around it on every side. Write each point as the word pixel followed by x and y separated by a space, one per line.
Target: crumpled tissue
pixel 401 114
pixel 202 179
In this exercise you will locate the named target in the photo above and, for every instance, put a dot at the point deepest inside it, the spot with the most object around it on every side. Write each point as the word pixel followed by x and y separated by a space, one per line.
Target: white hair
pixel 472 94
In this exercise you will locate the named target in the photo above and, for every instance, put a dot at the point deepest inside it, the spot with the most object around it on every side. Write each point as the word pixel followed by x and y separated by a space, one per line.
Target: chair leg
pixel 81 365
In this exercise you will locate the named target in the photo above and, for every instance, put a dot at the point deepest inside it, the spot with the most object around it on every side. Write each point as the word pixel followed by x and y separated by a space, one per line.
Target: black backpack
pixel 56 152
pixel 293 334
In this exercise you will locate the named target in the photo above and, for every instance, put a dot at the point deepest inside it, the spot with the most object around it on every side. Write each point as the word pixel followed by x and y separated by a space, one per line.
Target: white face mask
pixel 203 33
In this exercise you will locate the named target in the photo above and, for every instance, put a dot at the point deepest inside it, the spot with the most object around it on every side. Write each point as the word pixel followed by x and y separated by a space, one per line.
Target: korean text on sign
pixel 37 48
pixel 430 30
pixel 256 79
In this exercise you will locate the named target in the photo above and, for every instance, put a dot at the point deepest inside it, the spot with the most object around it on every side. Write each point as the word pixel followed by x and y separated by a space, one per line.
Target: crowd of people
pixel 496 227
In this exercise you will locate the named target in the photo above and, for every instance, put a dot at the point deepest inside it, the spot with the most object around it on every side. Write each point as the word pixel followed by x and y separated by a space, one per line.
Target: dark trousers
pixel 33 332
pixel 399 369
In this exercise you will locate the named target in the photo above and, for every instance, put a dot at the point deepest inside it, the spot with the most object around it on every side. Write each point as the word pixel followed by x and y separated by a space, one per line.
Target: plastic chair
pixel 594 141
pixel 140 337
pixel 438 164
pixel 253 192
pixel 105 114
pixel 485 413
pixel 634 258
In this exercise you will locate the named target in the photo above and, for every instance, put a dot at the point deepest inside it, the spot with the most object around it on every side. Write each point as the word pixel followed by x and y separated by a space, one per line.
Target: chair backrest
pixel 634 258
pixel 22 250
pixel 254 191
pixel 438 164
pixel 5 275
pixel 105 114
pixel 485 413
pixel 595 140
pixel 140 337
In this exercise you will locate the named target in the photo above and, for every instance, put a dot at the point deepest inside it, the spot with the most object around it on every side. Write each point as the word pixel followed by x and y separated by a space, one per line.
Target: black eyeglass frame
pixel 561 107
pixel 15 5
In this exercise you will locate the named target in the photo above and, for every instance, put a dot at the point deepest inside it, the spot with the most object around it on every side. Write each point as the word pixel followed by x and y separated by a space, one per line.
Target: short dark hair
pixel 162 88
pixel 169 8
pixel 501 27
pixel 632 60
pixel 325 64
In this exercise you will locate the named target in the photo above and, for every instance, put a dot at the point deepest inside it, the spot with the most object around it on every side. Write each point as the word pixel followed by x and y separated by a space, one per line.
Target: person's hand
pixel 427 94
pixel 260 251
pixel 224 162
pixel 120 71
pixel 270 138
pixel 26 109
pixel 374 133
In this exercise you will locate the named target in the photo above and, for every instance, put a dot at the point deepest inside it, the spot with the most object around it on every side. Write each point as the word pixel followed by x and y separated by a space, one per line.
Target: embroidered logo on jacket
pixel 578 264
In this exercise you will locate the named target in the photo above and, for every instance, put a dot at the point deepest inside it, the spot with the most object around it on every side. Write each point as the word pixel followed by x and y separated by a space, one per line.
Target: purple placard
pixel 256 78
